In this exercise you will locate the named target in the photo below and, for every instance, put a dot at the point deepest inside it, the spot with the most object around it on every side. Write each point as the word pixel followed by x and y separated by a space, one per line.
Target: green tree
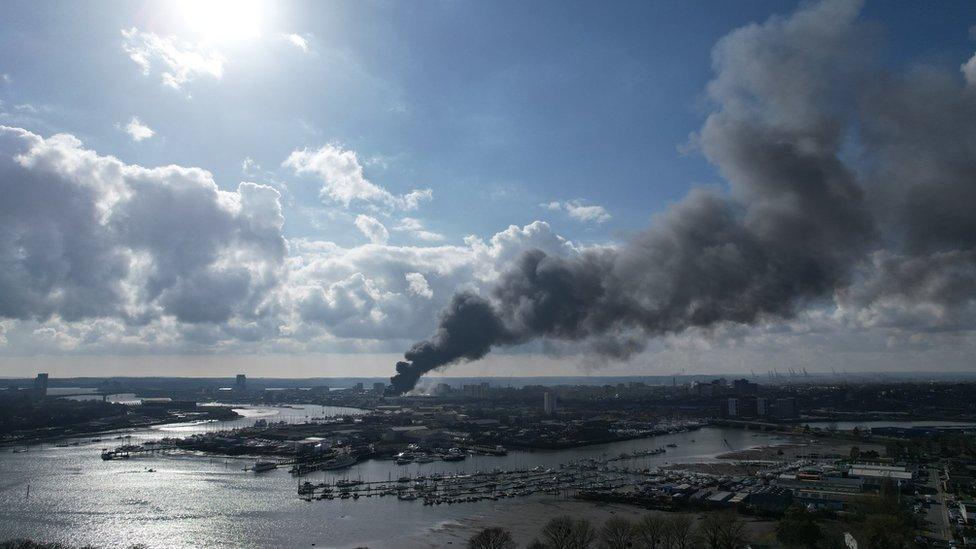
pixel 798 528
pixel 885 532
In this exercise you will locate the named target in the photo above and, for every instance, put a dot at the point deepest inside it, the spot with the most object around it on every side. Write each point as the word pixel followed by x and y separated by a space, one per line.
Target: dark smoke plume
pixel 845 182
pixel 468 330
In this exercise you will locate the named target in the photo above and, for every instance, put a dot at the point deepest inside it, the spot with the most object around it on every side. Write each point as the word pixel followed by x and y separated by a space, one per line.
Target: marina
pixel 206 499
pixel 437 489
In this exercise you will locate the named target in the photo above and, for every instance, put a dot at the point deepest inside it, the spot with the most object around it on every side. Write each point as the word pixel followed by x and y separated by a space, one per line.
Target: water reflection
pixel 77 498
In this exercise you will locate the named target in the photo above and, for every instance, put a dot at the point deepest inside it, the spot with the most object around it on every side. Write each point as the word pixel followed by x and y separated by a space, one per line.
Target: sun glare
pixel 223 19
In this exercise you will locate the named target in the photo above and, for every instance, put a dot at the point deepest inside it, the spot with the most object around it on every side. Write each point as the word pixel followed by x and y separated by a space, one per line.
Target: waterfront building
pixel 762 407
pixel 475 390
pixel 40 385
pixel 786 408
pixel 732 408
pixel 549 403
pixel 744 387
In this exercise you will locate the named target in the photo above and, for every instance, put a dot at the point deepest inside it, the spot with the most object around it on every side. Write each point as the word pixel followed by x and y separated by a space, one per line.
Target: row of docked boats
pixel 405 458
pixel 339 461
pixel 437 489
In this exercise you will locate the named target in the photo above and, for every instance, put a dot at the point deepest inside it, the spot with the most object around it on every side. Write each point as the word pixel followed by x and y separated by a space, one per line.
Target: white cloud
pixel 182 61
pixel 116 240
pixel 298 41
pixel 343 180
pixel 415 228
pixel 369 292
pixel 411 201
pixel 580 211
pixel 969 70
pixel 119 258
pixel 248 165
pixel 418 285
pixel 137 130
pixel 373 229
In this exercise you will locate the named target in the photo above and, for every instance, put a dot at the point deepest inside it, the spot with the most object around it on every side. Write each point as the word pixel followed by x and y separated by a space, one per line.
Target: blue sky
pixel 502 105
pixel 576 114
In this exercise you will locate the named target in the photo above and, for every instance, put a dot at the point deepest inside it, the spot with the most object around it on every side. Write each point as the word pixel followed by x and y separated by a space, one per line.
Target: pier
pixel 132 450
pixel 437 489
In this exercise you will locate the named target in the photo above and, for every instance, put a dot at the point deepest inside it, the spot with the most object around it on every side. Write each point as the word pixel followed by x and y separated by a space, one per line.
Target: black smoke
pixel 846 184
pixel 468 329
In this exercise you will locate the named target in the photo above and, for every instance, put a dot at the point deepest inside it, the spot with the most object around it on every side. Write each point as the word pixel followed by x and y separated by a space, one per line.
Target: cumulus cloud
pixel 137 130
pixel 104 256
pixel 372 228
pixel 418 285
pixel 415 228
pixel 580 211
pixel 371 292
pixel 87 236
pixel 344 182
pixel 180 61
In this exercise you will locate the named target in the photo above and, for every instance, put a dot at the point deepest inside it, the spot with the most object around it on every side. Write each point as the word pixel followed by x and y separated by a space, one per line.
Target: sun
pixel 223 19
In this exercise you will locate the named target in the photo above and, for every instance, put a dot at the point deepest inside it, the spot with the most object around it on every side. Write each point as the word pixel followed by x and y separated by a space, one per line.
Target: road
pixel 938 513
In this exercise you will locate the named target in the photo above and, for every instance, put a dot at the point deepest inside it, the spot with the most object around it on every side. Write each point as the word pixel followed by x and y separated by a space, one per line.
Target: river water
pixel 76 498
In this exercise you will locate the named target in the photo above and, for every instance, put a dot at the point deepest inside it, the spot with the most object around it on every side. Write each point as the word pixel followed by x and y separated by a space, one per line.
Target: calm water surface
pixel 75 497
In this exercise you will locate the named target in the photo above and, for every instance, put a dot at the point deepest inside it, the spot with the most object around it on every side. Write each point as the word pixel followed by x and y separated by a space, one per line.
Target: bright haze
pixel 501 188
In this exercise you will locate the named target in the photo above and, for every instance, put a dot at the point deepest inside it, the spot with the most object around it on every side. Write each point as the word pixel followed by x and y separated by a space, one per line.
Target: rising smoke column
pixel 469 328
pixel 830 163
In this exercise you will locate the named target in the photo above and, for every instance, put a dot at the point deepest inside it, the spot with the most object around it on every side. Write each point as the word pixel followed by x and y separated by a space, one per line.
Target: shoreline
pixel 115 429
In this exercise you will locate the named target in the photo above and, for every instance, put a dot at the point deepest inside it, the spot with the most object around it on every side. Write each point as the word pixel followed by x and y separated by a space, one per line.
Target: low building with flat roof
pixel 967 510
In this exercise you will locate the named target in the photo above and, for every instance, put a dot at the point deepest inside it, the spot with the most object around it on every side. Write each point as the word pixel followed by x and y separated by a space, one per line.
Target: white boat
pixel 262 466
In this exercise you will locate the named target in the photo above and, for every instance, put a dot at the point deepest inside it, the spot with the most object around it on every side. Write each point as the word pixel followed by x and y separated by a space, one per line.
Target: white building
pixel 549 403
